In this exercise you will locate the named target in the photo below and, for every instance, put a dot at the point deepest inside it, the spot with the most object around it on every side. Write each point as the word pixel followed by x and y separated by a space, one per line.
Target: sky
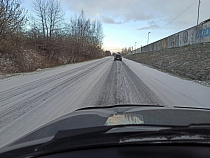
pixel 126 23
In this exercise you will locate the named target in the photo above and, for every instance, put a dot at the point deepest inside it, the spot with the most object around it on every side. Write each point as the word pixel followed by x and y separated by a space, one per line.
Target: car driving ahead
pixel 119 131
pixel 117 57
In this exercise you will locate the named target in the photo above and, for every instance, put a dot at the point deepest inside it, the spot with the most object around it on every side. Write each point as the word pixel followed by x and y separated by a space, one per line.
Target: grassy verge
pixel 191 62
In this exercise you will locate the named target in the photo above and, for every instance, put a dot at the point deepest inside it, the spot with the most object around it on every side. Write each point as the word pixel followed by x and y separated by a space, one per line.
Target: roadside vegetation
pixel 45 39
pixel 191 62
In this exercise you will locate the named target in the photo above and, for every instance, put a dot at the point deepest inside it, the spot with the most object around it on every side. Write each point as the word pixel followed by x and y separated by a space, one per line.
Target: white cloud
pixel 139 10
pixel 109 20
pixel 151 26
pixel 134 18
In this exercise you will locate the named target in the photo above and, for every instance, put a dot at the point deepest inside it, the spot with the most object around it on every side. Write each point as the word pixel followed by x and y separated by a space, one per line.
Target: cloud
pixel 126 10
pixel 109 20
pixel 151 26
pixel 138 10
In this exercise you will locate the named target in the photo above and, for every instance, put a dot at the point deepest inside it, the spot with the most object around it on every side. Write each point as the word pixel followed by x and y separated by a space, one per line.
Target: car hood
pixel 116 115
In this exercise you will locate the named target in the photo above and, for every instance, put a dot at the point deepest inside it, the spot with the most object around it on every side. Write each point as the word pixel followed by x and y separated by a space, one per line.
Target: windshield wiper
pixel 198 132
pixel 68 140
pixel 87 136
pixel 72 138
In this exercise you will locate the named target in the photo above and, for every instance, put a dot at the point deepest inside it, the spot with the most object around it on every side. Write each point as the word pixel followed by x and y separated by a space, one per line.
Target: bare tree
pixel 55 16
pixel 12 17
pixel 79 40
pixel 87 34
pixel 99 33
pixel 49 16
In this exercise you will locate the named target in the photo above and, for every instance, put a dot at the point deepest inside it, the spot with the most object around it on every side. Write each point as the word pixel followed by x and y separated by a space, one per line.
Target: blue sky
pixel 128 21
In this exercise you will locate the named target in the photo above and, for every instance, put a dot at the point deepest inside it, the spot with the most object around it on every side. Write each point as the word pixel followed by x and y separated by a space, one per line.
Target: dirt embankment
pixel 30 59
pixel 191 62
pixel 23 61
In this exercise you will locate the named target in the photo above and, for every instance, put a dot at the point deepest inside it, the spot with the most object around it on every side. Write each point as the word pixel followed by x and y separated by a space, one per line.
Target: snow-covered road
pixel 30 100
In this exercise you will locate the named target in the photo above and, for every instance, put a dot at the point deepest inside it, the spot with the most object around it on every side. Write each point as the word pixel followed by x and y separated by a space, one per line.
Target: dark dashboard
pixel 139 151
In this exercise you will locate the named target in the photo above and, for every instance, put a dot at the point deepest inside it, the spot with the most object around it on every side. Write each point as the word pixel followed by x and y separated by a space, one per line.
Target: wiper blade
pixel 73 137
pixel 62 137
pixel 192 131
pixel 103 129
pixel 100 136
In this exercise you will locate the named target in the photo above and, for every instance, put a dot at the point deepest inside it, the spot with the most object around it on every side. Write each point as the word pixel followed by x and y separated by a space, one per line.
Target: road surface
pixel 30 100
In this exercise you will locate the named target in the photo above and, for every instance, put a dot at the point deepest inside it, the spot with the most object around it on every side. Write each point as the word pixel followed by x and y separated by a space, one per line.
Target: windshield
pixel 57 56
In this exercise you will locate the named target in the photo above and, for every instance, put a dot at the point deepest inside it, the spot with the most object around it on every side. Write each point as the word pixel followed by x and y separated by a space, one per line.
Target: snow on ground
pixel 41 97
pixel 8 82
pixel 30 100
pixel 170 89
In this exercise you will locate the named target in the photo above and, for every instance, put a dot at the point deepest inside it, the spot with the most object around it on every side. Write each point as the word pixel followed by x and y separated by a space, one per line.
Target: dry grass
pixel 23 61
pixel 192 62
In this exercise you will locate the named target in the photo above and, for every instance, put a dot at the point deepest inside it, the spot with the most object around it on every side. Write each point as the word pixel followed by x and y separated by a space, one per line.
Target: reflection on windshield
pixel 123 119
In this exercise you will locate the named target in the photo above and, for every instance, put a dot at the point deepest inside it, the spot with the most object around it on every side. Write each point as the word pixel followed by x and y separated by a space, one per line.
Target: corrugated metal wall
pixel 194 35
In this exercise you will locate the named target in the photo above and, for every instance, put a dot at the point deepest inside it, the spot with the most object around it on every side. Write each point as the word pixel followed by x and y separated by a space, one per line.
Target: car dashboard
pixel 139 151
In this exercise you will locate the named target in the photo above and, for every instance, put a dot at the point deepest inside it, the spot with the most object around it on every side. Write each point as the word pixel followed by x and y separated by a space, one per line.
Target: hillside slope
pixel 191 62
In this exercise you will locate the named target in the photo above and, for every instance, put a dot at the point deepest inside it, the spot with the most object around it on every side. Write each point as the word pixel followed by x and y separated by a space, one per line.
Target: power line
pixel 143 39
pixel 183 12
pixel 175 17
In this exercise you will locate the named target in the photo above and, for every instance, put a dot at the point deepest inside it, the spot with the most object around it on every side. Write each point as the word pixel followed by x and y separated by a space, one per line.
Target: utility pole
pixel 199 3
pixel 148 37
pixel 135 47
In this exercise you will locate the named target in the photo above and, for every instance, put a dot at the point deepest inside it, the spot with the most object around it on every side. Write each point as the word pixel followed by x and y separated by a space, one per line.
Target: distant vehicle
pixel 119 131
pixel 118 57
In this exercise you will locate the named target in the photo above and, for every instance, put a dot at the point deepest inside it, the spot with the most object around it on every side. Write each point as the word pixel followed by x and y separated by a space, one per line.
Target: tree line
pixel 47 31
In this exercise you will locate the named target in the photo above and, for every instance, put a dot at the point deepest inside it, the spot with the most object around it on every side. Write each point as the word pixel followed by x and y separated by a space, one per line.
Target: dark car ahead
pixel 118 57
